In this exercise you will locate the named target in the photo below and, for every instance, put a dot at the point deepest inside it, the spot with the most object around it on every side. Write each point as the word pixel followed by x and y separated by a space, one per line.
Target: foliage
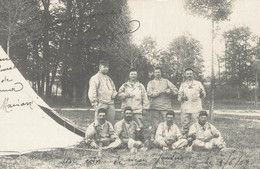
pixel 238 57
pixel 216 10
pixel 183 52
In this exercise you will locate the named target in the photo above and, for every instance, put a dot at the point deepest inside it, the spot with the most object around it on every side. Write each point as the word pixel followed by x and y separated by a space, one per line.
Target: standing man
pixel 160 91
pixel 102 91
pixel 205 135
pixel 132 93
pixel 190 94
pixel 100 132
pixel 168 135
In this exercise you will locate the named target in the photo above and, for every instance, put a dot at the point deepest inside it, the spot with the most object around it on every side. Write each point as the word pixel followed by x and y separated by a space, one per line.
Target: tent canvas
pixel 27 123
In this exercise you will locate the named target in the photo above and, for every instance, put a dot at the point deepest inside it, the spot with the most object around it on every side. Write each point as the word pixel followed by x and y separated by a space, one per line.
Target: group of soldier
pixel 196 132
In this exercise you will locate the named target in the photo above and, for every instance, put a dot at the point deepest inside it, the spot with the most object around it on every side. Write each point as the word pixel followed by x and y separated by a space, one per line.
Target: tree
pixel 18 21
pixel 239 57
pixel 216 11
pixel 149 49
pixel 183 52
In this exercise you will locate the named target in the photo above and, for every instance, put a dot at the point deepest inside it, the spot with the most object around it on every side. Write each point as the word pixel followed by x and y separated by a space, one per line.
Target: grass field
pixel 242 135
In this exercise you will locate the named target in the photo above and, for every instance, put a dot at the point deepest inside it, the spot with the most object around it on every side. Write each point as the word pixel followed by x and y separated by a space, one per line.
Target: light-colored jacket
pixel 124 131
pixel 205 132
pixel 192 92
pixel 163 133
pixel 163 100
pixel 101 89
pixel 134 96
pixel 105 130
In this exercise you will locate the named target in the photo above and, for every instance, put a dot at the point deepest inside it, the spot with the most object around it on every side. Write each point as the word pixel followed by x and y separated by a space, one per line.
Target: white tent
pixel 27 123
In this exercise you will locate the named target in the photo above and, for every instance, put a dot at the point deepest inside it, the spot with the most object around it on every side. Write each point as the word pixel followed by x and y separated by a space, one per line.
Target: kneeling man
pixel 205 135
pixel 126 131
pixel 100 132
pixel 168 135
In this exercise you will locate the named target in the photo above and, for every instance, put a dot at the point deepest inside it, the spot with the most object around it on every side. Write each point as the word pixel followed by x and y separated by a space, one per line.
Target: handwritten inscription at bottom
pixel 8 107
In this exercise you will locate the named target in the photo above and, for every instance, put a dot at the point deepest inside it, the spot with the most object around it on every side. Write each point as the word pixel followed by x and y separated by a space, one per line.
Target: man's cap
pixel 128 108
pixel 203 113
pixel 132 69
pixel 102 110
pixel 188 69
pixel 170 112
pixel 104 62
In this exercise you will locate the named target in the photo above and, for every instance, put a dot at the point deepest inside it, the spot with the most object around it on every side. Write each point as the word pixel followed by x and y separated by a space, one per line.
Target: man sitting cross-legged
pixel 126 131
pixel 205 135
pixel 100 132
pixel 168 135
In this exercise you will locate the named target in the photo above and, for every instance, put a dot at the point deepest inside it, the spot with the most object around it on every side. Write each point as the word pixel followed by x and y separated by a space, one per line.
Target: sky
pixel 165 20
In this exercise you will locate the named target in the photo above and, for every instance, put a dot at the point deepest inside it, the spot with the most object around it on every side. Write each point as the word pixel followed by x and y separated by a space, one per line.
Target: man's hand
pixel 156 93
pixel 215 135
pixel 168 91
pixel 184 98
pixel 113 96
pixel 170 141
pixel 95 105
pixel 201 94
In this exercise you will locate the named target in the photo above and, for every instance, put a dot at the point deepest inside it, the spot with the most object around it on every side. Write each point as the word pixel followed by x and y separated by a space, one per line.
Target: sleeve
pixel 202 89
pixel 180 93
pixel 178 132
pixel 118 130
pixel 150 90
pixel 159 133
pixel 214 130
pixel 173 88
pixel 111 130
pixel 90 131
pixel 92 92
pixel 121 92
pixel 114 88
pixel 146 103
pixel 192 130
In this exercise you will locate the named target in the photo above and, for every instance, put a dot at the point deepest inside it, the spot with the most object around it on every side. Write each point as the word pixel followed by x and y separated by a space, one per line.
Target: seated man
pixel 125 132
pixel 168 135
pixel 100 132
pixel 204 135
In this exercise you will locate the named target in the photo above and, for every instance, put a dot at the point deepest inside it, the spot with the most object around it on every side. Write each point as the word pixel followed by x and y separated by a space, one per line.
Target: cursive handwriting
pixel 18 86
pixel 4 59
pixel 5 69
pixel 231 160
pixel 112 36
pixel 6 79
pixel 8 107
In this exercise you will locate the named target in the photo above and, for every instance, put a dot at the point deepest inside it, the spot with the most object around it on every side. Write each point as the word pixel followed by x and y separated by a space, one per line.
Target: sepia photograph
pixel 131 84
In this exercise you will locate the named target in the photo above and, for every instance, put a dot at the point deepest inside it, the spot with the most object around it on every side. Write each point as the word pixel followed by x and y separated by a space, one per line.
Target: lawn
pixel 238 133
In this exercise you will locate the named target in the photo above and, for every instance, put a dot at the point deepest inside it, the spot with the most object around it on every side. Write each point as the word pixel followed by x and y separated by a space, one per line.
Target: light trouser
pixel 110 112
pixel 176 145
pixel 187 119
pixel 131 143
pixel 138 118
pixel 157 117
pixel 213 143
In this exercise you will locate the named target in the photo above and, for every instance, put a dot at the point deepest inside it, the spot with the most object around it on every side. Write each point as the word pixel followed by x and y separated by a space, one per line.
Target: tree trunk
pixel 212 84
pixel 46 54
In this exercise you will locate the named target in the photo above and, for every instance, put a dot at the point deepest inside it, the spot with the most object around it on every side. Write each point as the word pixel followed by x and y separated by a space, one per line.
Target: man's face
pixel 189 74
pixel 133 76
pixel 101 117
pixel 203 120
pixel 157 73
pixel 128 115
pixel 103 69
pixel 169 119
